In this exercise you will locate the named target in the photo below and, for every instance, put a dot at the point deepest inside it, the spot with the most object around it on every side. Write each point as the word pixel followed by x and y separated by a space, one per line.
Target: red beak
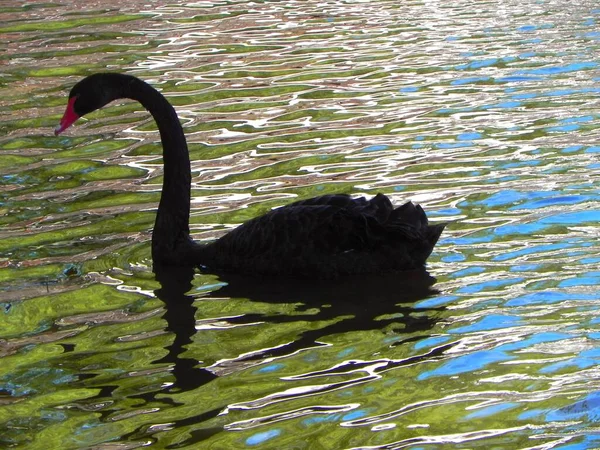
pixel 68 118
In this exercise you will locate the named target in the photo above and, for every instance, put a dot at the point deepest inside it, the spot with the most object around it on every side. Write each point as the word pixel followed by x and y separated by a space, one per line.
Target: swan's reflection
pixel 180 312
pixel 362 302
pixel 358 304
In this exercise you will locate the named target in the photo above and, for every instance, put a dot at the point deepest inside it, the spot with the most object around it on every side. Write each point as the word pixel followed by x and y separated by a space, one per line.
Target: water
pixel 484 112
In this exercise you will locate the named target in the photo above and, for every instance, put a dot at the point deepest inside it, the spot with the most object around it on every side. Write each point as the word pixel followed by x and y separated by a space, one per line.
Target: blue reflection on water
pixel 485 63
pixel 525 267
pixel 572 218
pixel 592 35
pixel 490 284
pixel 587 279
pixel 455 110
pixel 568 218
pixel 346 352
pixel 508 197
pixel 431 342
pixel 516 78
pixel 549 297
pixel 466 272
pixel 455 257
pixel 560 200
pixel 588 442
pixel 527 28
pixel 539 338
pixel 478 360
pixel 490 410
pixel 491 322
pixel 436 301
pixel 448 145
pixel 563 128
pixel 593 260
pixel 357 414
pixel 578 119
pixel 553 70
pixel 504 105
pixel 352 415
pixel 469 136
pixel 320 419
pixel 467 363
pixel 270 368
pixel 514 165
pixel 469 80
pixel 572 149
pixel 445 212
pixel 259 438
pixel 375 148
pixel 526 55
pixel 501 179
pixel 526 95
pixel 584 360
pixel 532 41
pixel 588 408
pixel 521 228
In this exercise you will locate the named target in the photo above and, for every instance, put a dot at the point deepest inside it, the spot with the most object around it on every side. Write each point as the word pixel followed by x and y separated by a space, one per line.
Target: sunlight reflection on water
pixel 486 113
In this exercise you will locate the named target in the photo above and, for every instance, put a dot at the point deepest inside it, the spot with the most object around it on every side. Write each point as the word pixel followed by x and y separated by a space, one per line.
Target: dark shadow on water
pixel 366 300
pixel 359 303
pixel 180 315
pixel 347 293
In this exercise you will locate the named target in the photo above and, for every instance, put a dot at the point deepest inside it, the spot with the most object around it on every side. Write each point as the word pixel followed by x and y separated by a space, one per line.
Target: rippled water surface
pixel 485 112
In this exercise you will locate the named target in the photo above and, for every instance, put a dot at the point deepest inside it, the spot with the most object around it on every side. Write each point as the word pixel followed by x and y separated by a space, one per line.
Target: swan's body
pixel 322 237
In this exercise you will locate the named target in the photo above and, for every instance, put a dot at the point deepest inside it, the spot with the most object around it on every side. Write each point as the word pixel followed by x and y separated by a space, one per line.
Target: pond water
pixel 486 113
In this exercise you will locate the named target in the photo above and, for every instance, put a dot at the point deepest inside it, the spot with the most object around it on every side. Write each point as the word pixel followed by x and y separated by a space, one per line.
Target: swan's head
pixel 90 94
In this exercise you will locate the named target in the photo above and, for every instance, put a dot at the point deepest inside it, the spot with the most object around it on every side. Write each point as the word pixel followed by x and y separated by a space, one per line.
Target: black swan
pixel 322 237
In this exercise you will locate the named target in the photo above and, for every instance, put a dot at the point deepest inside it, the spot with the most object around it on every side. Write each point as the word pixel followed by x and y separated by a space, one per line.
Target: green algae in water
pixel 49 26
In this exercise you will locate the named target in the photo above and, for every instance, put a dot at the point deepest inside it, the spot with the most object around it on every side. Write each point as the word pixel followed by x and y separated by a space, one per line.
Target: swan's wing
pixel 328 240
pixel 298 229
pixel 379 206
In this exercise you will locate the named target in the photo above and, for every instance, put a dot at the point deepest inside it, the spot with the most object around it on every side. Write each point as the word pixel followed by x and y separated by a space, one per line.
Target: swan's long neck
pixel 171 229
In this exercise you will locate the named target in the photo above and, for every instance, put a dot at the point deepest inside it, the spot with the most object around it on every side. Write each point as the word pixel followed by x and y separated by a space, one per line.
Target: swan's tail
pixel 434 232
pixel 414 224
